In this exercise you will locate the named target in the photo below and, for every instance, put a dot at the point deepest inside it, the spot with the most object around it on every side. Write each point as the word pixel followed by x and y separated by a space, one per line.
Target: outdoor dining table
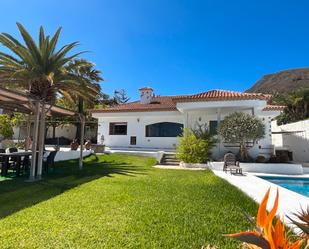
pixel 18 156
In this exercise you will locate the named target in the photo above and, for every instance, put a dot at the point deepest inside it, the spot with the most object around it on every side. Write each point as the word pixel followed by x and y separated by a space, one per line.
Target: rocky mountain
pixel 282 82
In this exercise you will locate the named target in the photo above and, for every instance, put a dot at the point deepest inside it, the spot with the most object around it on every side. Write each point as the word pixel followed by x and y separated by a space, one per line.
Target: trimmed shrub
pixel 192 149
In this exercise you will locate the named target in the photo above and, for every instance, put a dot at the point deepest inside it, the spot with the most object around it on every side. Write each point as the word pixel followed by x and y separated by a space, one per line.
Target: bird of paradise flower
pixel 269 232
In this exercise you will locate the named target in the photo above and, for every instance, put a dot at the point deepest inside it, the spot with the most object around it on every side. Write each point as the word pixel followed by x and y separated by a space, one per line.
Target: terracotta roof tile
pixel 274 108
pixel 168 103
pixel 164 103
pixel 219 95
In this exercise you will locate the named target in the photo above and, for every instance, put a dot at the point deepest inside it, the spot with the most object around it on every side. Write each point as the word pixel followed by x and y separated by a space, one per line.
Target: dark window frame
pixel 133 140
pixel 213 130
pixel 164 129
pixel 114 131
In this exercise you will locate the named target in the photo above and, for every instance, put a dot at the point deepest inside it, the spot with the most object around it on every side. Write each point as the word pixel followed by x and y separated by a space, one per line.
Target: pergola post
pixel 41 141
pixel 21 102
pixel 28 132
pixel 35 141
pixel 82 134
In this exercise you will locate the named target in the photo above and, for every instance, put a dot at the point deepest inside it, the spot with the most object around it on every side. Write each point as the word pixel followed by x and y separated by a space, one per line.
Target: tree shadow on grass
pixel 16 194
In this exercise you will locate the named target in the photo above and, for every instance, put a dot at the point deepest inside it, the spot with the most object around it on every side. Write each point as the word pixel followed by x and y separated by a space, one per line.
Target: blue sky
pixel 174 46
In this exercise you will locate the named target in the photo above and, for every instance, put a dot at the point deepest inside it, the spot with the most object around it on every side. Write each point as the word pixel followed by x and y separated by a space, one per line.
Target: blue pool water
pixel 299 185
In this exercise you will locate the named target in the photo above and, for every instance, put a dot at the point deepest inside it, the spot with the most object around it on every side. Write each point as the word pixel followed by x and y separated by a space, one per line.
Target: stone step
pixel 170 163
pixel 171 160
pixel 169 156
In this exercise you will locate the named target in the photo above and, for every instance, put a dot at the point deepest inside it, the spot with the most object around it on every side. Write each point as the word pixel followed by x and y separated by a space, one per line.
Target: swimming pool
pixel 298 185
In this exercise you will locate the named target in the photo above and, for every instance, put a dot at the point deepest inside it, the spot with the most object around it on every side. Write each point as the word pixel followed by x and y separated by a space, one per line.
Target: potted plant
pixel 74 145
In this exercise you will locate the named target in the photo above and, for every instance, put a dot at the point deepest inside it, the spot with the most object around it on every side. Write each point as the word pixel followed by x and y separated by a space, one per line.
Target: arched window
pixel 164 129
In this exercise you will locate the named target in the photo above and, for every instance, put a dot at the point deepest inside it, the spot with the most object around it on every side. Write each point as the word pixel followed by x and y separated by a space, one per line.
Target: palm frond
pixel 32 47
pixel 54 40
pixel 44 71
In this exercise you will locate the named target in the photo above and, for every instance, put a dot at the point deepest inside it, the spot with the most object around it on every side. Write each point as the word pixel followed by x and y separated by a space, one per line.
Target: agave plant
pixel 269 232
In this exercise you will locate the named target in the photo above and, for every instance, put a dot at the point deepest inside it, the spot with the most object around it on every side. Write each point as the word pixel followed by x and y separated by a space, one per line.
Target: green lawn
pixel 120 201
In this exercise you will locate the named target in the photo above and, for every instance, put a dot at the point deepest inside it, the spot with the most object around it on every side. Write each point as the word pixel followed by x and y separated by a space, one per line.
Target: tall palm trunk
pixel 27 145
pixel 41 140
pixel 80 111
pixel 82 122
pixel 35 141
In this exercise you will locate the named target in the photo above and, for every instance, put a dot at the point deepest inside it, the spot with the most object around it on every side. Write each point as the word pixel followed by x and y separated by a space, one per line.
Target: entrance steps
pixel 169 159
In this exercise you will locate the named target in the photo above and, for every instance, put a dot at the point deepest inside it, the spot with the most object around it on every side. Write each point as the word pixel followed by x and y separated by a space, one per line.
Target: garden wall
pixel 69 155
pixel 267 168
pixel 293 137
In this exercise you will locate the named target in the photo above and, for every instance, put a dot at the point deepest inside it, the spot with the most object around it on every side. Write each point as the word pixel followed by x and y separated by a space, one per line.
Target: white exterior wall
pixel 67 130
pixel 136 122
pixel 262 147
pixel 296 141
pixel 201 117
pixel 190 114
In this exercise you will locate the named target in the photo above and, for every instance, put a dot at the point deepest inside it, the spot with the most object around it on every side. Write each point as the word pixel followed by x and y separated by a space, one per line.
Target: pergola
pixel 17 101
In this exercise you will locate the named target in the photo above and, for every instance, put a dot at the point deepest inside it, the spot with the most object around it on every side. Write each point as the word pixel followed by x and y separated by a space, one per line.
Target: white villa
pixel 156 121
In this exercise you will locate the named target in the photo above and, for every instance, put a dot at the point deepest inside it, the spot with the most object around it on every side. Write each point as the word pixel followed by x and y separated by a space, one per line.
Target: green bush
pixel 202 131
pixel 193 149
pixel 241 128
pixel 6 126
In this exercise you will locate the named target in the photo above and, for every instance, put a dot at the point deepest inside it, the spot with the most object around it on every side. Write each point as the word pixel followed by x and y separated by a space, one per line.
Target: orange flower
pixel 267 235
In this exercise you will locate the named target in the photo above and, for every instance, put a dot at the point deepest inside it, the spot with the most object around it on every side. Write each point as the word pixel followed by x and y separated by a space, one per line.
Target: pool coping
pixel 305 176
pixel 255 187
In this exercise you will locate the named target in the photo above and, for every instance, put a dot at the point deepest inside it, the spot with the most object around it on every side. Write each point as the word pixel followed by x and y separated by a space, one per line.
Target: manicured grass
pixel 120 201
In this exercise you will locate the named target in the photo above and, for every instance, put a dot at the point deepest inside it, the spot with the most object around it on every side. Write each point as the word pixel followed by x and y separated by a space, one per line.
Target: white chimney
pixel 146 95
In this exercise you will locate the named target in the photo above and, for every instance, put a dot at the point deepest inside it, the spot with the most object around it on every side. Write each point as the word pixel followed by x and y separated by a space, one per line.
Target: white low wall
pixel 71 154
pixel 66 154
pixel 273 168
pixel 156 154
pixel 269 168
pixel 306 170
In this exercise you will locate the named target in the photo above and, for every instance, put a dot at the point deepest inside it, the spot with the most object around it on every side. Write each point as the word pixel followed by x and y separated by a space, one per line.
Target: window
pixel 133 140
pixel 164 129
pixel 213 126
pixel 118 128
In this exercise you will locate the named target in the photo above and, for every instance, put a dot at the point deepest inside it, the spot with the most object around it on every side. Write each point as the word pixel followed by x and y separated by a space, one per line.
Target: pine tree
pixel 121 96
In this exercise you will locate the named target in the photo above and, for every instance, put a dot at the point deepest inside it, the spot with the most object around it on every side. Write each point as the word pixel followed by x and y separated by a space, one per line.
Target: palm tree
pixel 297 106
pixel 40 69
pixel 86 72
